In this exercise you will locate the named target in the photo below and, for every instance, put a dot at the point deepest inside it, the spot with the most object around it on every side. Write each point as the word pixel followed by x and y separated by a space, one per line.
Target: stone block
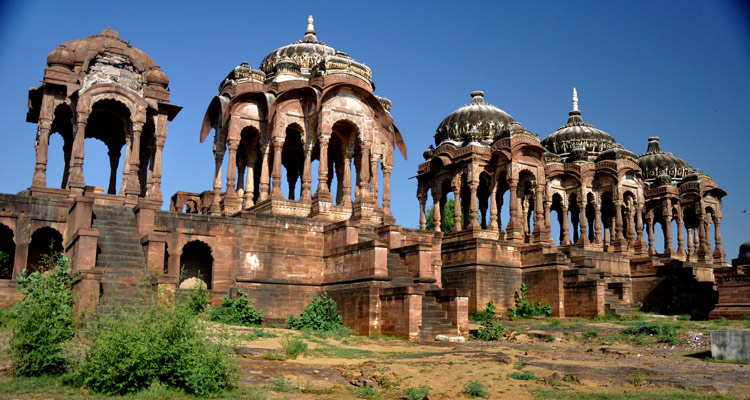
pixel 731 345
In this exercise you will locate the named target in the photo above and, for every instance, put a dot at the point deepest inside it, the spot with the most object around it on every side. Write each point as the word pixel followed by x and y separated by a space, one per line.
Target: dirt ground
pixel 561 357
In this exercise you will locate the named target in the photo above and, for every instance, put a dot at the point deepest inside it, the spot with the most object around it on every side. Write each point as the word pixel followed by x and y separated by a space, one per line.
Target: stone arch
pixel 527 198
pixel 62 124
pixel 293 156
pixel 8 248
pixel 249 164
pixel 557 207
pixel 110 122
pixel 197 261
pixel 341 152
pixel 45 241
pixel 591 217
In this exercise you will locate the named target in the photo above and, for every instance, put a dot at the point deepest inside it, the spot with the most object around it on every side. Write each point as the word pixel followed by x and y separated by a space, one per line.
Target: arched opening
pixel 249 159
pixel 608 220
pixel 591 217
pixel 292 161
pixel 483 201
pixel 147 153
pixel 574 217
pixel 526 194
pixel 109 122
pixel 8 249
pixel 45 241
pixel 58 163
pixel 197 262
pixel 557 230
pixel 341 152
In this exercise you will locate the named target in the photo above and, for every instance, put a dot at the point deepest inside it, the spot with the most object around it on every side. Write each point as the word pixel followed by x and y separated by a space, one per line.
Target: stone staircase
pixel 398 271
pixel 125 278
pixel 613 303
pixel 435 320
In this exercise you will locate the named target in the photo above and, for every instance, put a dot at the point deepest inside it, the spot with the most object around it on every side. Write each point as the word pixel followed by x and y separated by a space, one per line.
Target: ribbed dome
pixel 307 53
pixel 476 122
pixel 656 162
pixel 617 152
pixel 744 250
pixel 157 76
pixel 577 134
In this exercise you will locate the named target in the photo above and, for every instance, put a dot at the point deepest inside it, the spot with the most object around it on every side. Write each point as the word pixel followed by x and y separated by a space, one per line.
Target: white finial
pixel 575 100
pixel 310 27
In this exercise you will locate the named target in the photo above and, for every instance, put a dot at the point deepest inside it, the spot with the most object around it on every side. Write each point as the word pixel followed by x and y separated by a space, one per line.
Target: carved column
pixel 114 161
pixel 564 228
pixel 457 226
pixel 374 178
pixel 133 185
pixel 493 208
pixel 719 250
pixel 436 195
pixel 323 193
pixel 583 238
pixel 250 181
pixel 638 225
pixel 650 232
pixel 690 243
pixel 387 190
pixel 514 228
pixel 363 175
pixel 631 223
pixel 42 145
pixel 232 167
pixel 598 223
pixel 618 221
pixel 499 204
pixel 218 160
pixel 278 145
pixel 306 194
pixel 265 185
pixel 548 219
pixel 346 181
pixel 422 203
pixel 667 213
pixel 155 192
pixel 75 175
pixel 539 223
pixel 680 235
pixel 473 206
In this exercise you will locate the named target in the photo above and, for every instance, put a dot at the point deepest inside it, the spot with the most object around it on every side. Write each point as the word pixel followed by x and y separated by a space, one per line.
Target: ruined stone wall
pixel 584 298
pixel 545 285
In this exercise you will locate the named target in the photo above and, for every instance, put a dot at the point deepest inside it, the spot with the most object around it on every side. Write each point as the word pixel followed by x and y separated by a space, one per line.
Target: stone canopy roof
pixel 476 122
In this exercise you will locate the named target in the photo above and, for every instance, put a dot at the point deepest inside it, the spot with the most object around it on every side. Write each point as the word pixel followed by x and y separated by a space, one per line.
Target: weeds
pixel 526 309
pixel 259 333
pixel 320 315
pixel 523 376
pixel 488 314
pixel 639 379
pixel 490 328
pixel 237 311
pixel 417 393
pixel 365 392
pixel 293 346
pixel 475 389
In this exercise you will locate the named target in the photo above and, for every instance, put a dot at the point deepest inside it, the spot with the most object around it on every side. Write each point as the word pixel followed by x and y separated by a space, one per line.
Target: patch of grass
pixel 282 385
pixel 258 333
pixel 520 363
pixel 366 392
pixel 416 393
pixel 273 356
pixel 475 389
pixel 638 394
pixel 335 351
pixel 293 346
pixel 639 379
pixel 591 334
pixel 664 333
pixel 523 376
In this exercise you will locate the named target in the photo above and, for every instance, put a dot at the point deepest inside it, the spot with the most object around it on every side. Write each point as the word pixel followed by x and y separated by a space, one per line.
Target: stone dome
pixel 617 152
pixel 82 50
pixel 476 122
pixel 306 53
pixel 157 76
pixel 655 162
pixel 744 250
pixel 577 134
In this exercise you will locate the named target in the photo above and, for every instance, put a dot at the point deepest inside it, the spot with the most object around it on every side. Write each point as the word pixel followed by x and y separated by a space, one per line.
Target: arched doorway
pixel 196 261
pixel 44 242
pixel 8 249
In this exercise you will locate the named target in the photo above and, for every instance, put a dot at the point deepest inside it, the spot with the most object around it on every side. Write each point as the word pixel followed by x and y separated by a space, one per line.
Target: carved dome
pixel 83 50
pixel 744 250
pixel 617 152
pixel 577 134
pixel 157 76
pixel 306 53
pixel 657 162
pixel 476 122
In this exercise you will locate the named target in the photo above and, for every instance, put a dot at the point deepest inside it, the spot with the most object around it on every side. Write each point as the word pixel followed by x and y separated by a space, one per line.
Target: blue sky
pixel 678 70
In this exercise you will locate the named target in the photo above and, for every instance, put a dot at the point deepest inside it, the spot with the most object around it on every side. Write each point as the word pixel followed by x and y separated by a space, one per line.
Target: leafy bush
pixel 321 314
pixel 198 298
pixel 490 330
pixel 237 311
pixel 365 392
pixel 522 376
pixel 488 314
pixel 258 333
pixel 475 389
pixel 43 320
pixel 134 347
pixel 526 309
pixel 590 334
pixel 417 393
pixel 664 333
pixel 293 346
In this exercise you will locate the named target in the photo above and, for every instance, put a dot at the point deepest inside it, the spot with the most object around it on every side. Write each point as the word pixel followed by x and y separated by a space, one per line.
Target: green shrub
pixel 522 376
pixel 365 392
pixel 520 363
pixel 590 334
pixel 43 320
pixel 488 314
pixel 258 333
pixel 321 314
pixel 475 389
pixel 526 309
pixel 237 311
pixel 490 330
pixel 664 333
pixel 198 299
pixel 133 347
pixel 293 346
pixel 273 356
pixel 417 393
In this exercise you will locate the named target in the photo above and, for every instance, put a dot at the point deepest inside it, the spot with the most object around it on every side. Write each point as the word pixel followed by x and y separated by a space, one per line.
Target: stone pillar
pixel 690 243
pixel 218 160
pixel 374 178
pixel 457 226
pixel 436 210
pixel 493 208
pixel 232 167
pixel 514 230
pixel 539 223
pixel 680 235
pixel 42 145
pixel 638 225
pixel 650 232
pixel 265 184
pixel 387 191
pixel 306 194
pixel 422 203
pixel 696 240
pixel 250 182
pixel 719 257
pixel 323 192
pixel 346 181
pixel 499 204
pixel 564 228
pixel 133 185
pixel 598 223
pixel 363 175
pixel 583 238
pixel 114 161
pixel 473 207
pixel 155 191
pixel 548 219
pixel 631 223
pixel 75 174
pixel 668 232
pixel 618 221
pixel 278 145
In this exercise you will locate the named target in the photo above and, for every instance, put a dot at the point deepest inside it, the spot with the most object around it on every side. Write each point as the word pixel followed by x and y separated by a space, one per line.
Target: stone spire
pixel 310 32
pixel 575 100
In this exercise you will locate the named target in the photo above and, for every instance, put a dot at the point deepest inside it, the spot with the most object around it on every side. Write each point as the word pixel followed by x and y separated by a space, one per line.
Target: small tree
pixel 527 309
pixel 321 314
pixel 43 320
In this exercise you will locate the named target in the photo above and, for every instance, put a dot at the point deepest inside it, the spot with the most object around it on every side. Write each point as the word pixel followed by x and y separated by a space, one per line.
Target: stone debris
pixel 446 338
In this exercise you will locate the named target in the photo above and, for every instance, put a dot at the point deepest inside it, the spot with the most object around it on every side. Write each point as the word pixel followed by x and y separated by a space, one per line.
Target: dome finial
pixel 575 99
pixel 310 26
pixel 477 97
